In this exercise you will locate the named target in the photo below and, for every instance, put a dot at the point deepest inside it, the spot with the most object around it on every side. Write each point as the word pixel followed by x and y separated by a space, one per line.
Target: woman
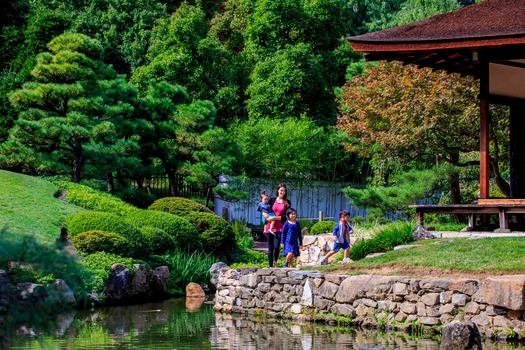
pixel 279 204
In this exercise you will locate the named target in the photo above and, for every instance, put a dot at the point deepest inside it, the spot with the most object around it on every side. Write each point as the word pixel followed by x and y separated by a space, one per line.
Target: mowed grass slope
pixel 28 207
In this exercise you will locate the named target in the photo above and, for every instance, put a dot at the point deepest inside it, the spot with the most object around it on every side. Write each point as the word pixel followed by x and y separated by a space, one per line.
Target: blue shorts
pixel 338 246
pixel 264 219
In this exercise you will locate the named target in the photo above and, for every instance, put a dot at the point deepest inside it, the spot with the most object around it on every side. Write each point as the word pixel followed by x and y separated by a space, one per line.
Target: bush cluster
pixel 216 233
pixel 96 220
pixel 178 206
pixel 160 241
pixel 100 241
pixel 323 227
pixel 183 232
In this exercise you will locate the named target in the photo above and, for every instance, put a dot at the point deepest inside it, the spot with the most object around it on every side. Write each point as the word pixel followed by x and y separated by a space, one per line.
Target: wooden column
pixel 484 157
pixel 517 151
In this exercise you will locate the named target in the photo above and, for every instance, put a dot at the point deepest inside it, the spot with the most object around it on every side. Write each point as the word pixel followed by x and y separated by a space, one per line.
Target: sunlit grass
pixel 28 207
pixel 497 255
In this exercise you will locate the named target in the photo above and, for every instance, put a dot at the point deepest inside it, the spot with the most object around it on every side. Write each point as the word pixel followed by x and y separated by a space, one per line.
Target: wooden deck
pixel 501 207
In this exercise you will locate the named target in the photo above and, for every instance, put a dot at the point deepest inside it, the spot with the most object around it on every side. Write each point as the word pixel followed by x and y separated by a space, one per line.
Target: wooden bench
pixel 500 207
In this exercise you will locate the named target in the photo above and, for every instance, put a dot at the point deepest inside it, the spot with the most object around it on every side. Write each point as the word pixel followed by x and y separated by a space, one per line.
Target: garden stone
pixel 461 335
pixel 7 294
pixel 119 283
pixel 215 271
pixel 161 276
pixel 140 284
pixel 28 291
pixel 194 290
pixel 421 234
pixel 60 293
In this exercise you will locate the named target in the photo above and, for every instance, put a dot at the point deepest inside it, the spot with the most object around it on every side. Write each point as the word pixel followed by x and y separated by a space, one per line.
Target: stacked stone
pixel 494 306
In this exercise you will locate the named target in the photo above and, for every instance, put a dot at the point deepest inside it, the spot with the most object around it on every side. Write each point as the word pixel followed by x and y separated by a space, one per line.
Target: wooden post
pixel 225 214
pixel 484 160
pixel 517 150
pixel 320 215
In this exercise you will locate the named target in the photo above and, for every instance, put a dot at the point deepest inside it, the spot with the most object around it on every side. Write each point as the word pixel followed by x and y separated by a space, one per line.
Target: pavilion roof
pixel 493 29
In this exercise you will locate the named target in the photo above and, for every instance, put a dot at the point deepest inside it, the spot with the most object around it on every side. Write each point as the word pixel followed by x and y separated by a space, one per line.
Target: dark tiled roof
pixel 493 30
pixel 487 20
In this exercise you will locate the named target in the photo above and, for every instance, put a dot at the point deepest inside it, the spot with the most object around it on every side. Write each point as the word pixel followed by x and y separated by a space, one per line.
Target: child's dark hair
pixel 343 213
pixel 263 193
pixel 290 211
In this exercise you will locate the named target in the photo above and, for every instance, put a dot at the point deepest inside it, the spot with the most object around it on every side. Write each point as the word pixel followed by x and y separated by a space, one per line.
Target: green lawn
pixel 494 255
pixel 28 207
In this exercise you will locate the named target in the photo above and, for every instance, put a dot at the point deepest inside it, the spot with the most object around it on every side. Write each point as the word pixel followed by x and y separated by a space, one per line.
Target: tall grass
pixel 389 236
pixel 187 267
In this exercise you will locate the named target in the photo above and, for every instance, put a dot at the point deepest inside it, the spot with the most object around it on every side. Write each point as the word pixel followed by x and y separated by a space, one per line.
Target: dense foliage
pixel 99 241
pixel 216 233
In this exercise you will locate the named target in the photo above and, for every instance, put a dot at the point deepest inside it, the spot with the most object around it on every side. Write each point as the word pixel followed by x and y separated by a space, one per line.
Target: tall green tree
pixel 174 126
pixel 60 112
pixel 300 56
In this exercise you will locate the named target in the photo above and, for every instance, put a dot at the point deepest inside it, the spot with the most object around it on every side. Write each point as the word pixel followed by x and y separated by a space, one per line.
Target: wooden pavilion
pixel 484 40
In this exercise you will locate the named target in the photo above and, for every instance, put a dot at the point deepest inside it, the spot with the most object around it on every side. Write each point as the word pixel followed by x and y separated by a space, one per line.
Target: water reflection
pixel 192 324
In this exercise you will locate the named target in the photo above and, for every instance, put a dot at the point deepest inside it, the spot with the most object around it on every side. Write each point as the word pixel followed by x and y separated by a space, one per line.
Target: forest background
pixel 126 90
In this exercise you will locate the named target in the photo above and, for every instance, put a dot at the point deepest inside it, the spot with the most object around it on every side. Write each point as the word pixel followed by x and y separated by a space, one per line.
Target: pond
pixel 180 324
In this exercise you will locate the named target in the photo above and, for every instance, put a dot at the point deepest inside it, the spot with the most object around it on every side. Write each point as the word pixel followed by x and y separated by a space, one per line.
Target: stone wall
pixel 495 304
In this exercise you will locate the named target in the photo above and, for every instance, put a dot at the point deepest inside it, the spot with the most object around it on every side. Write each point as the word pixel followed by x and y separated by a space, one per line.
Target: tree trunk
pixel 78 162
pixel 110 181
pixel 174 190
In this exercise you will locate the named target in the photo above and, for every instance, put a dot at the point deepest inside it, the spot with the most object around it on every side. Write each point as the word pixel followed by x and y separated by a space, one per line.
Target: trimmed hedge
pixel 160 241
pixel 89 198
pixel 178 206
pixel 96 220
pixel 323 227
pixel 184 233
pixel 100 241
pixel 216 233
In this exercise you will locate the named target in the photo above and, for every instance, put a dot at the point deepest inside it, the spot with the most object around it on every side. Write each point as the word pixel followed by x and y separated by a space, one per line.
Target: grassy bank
pixel 28 207
pixel 503 255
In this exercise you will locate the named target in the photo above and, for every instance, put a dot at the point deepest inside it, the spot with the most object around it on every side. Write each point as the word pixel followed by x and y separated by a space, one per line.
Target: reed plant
pixel 188 267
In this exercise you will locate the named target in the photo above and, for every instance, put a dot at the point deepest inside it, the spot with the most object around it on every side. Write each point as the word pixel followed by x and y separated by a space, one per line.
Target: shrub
pixel 89 198
pixel 178 206
pixel 96 220
pixel 140 198
pixel 183 232
pixel 357 220
pixel 386 239
pixel 216 233
pixel 323 227
pixel 160 241
pixel 100 241
pixel 97 268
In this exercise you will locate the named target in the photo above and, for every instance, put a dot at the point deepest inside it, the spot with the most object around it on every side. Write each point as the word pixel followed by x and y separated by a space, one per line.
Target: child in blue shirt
pixel 341 238
pixel 265 207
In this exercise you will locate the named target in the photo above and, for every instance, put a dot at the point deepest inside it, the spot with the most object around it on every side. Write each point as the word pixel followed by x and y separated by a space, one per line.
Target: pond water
pixel 180 324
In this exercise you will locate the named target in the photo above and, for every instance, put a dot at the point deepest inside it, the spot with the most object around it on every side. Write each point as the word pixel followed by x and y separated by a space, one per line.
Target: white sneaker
pixel 323 261
pixel 347 260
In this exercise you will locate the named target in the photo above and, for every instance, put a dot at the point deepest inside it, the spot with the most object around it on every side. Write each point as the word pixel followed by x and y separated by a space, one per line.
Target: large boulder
pixel 119 283
pixel 460 335
pixel 194 290
pixel 60 293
